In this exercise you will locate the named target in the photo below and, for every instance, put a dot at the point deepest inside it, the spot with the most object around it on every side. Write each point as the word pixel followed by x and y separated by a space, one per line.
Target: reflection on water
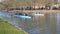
pixel 58 23
pixel 47 24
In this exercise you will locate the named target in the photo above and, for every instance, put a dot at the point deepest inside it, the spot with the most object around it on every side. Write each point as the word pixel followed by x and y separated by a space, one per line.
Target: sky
pixel 58 0
pixel 1 0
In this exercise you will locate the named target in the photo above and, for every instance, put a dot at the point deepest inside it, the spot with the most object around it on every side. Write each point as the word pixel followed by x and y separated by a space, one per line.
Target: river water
pixel 49 23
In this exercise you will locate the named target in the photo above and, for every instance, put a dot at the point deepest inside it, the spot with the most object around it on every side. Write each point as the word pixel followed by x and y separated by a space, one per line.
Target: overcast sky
pixel 1 0
pixel 58 0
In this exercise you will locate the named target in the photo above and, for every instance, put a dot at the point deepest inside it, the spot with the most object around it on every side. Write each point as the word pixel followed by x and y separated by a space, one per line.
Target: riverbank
pixel 32 11
pixel 6 28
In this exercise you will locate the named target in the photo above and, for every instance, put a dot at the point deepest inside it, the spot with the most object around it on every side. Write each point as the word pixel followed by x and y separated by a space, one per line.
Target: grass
pixel 6 28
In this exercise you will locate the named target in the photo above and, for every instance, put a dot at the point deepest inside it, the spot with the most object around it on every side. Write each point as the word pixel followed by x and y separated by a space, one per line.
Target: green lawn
pixel 6 28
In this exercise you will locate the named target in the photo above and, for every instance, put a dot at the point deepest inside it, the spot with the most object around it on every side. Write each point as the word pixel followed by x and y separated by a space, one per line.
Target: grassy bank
pixel 6 28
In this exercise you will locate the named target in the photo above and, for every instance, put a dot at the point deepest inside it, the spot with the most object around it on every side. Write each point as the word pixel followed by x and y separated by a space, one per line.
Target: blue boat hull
pixel 22 16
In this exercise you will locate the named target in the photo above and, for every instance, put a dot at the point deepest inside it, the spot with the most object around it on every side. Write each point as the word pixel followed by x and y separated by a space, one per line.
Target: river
pixel 49 23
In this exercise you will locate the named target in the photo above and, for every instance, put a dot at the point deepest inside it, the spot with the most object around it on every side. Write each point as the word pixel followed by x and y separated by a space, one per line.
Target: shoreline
pixel 32 11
